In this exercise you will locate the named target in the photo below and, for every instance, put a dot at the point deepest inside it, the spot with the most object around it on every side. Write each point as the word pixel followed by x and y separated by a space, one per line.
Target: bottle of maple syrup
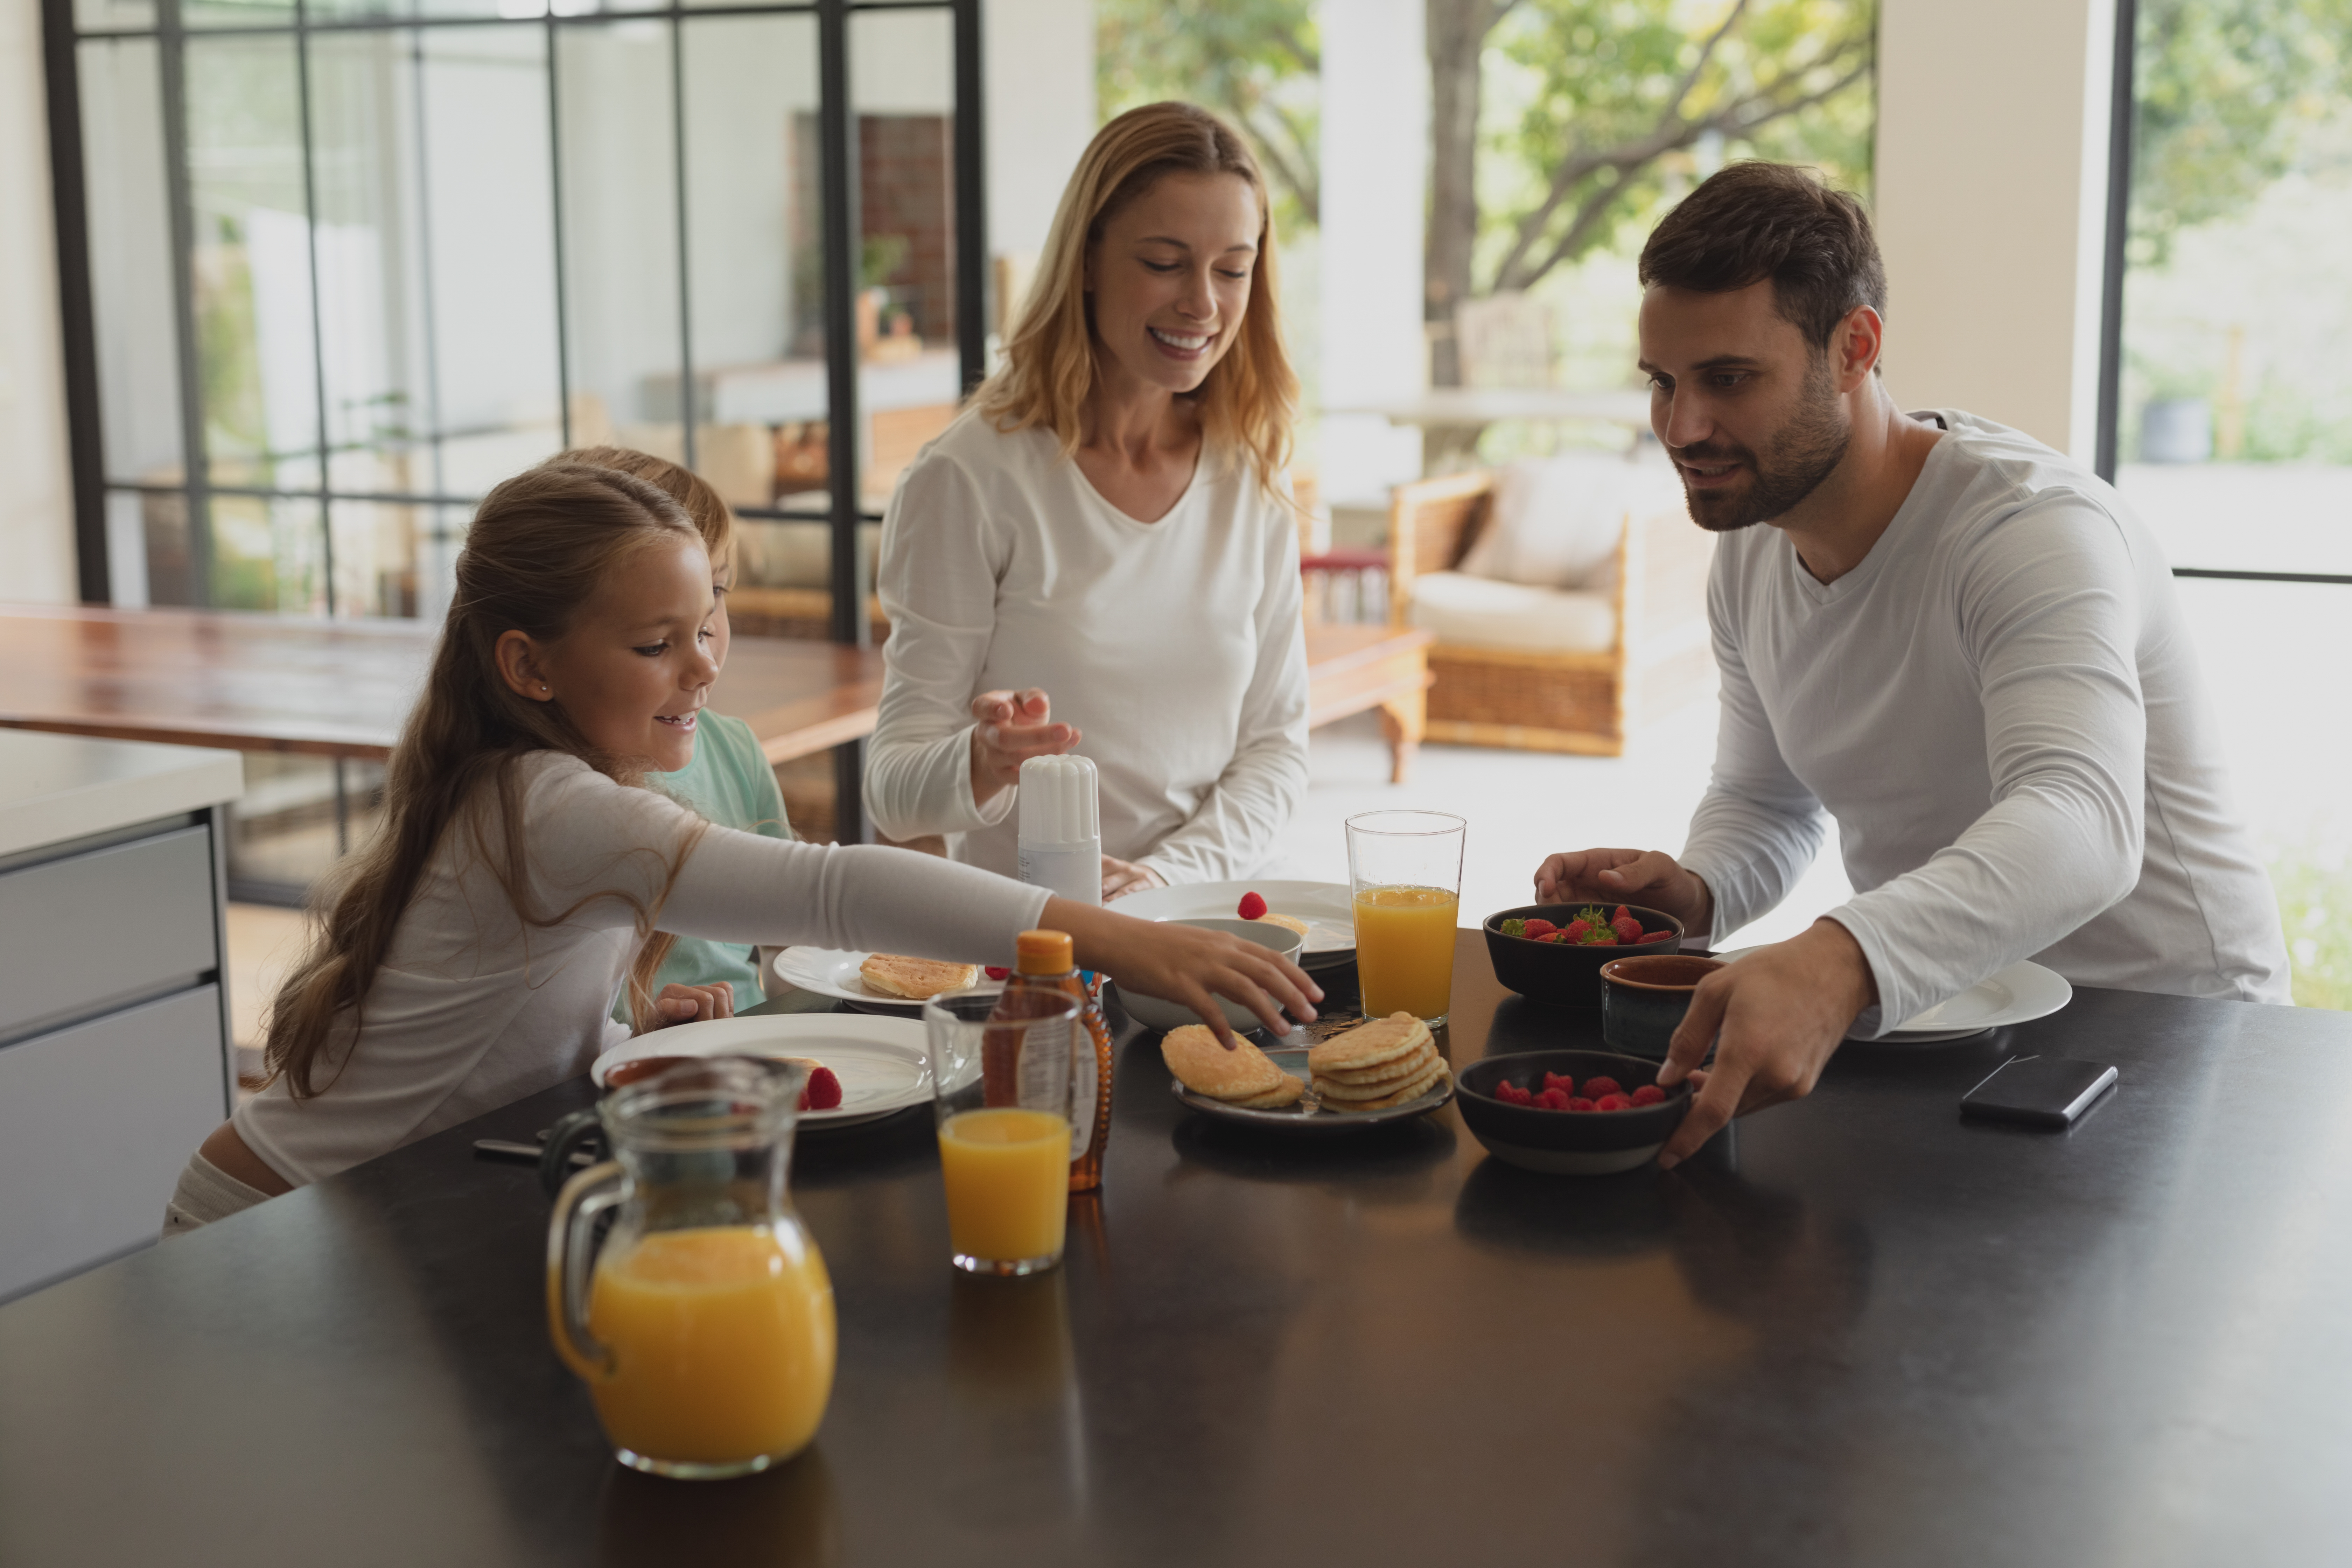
pixel 1043 961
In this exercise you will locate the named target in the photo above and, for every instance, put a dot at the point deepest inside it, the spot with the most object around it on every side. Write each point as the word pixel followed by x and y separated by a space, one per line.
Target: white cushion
pixel 1556 521
pixel 1478 612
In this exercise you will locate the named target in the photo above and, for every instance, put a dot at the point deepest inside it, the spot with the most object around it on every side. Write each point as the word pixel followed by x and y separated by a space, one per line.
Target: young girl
pixel 728 781
pixel 467 956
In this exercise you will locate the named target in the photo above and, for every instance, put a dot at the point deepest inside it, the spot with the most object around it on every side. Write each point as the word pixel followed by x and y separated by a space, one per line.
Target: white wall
pixel 1991 196
pixel 1038 65
pixel 36 540
pixel 1375 197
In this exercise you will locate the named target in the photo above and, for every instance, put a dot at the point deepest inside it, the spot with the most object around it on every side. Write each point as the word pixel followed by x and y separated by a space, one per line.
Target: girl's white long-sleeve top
pixel 474 1008
pixel 1175 647
pixel 2002 707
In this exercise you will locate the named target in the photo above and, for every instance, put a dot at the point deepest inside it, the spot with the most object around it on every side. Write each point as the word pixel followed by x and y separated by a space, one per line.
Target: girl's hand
pixel 1188 964
pixel 1008 728
pixel 1121 877
pixel 692 1004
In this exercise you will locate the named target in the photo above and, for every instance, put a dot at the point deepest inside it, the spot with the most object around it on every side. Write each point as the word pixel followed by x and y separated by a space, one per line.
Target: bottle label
pixel 1084 1071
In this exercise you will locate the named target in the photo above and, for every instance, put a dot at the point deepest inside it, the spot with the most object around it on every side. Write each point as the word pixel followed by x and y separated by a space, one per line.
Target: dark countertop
pixel 1856 1331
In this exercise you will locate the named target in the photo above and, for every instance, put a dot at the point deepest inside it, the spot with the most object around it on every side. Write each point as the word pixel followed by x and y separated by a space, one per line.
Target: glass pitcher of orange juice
pixel 704 1325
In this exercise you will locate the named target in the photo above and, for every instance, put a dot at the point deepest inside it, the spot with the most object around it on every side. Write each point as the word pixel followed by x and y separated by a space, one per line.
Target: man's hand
pixel 1120 878
pixel 1783 1011
pixel 692 1004
pixel 1649 878
pixel 1008 728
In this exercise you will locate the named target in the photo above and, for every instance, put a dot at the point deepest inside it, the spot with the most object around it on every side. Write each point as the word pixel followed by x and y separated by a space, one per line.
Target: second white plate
pixel 2018 994
pixel 882 1063
pixel 1328 907
pixel 829 972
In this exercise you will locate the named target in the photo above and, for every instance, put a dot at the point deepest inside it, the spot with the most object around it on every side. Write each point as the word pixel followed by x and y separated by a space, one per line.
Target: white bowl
pixel 1154 1014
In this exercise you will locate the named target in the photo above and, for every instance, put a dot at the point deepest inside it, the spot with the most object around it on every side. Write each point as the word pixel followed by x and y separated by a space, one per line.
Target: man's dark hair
pixel 1752 221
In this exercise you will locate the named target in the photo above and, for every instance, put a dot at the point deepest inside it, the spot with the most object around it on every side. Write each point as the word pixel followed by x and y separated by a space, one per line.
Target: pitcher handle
pixel 567 1138
pixel 570 1257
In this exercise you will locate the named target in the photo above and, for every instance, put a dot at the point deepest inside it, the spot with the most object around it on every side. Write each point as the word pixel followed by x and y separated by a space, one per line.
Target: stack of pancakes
pixel 1377 1065
pixel 1244 1076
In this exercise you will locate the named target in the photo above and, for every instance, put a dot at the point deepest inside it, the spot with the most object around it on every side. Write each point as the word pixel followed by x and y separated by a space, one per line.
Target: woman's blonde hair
pixel 1247 401
pixel 539 548
pixel 712 516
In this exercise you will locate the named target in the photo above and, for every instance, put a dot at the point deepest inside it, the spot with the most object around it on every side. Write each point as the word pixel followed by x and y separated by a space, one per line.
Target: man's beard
pixel 1798 456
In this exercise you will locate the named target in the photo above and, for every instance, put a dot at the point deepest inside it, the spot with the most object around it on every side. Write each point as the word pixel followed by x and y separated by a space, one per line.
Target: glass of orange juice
pixel 704 1325
pixel 1405 871
pixel 1002 1087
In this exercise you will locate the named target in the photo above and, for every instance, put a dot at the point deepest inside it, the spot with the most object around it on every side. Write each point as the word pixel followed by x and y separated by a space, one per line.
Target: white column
pixel 1991 201
pixel 1375 195
pixel 36 531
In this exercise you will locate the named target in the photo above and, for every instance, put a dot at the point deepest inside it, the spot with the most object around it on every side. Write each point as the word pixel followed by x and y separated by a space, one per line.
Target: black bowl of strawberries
pixel 1586 1114
pixel 1553 953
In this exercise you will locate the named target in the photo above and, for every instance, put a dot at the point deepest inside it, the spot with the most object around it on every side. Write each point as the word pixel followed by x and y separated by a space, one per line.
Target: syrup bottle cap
pixel 1044 952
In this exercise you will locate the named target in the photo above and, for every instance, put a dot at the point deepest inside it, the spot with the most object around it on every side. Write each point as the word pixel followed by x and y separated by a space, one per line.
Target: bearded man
pixel 1955 641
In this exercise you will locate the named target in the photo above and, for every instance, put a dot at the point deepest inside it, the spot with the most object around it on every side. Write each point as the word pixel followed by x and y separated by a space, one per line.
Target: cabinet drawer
pixel 117 921
pixel 96 1123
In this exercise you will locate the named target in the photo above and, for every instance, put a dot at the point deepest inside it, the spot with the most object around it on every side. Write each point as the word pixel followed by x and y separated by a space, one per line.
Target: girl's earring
pixel 545 690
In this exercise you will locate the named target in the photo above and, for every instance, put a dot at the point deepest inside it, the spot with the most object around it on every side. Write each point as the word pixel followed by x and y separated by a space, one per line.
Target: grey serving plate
pixel 1303 1116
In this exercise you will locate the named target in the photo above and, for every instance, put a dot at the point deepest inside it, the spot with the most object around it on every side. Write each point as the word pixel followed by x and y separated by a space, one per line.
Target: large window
pixel 2231 404
pixel 352 262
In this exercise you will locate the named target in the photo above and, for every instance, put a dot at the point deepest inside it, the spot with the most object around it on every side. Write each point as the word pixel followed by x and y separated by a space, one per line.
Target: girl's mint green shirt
pixel 731 783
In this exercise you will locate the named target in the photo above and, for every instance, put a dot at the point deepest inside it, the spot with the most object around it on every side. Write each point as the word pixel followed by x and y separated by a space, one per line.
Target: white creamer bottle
pixel 1061 828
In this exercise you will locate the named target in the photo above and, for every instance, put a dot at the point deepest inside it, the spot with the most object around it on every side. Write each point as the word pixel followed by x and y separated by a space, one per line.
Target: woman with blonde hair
pixel 1108 523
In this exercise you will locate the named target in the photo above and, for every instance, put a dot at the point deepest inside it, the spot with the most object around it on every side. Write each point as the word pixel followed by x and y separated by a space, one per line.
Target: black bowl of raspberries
pixel 1553 953
pixel 1575 1113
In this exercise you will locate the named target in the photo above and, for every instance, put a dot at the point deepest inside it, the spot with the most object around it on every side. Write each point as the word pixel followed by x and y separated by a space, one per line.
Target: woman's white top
pixel 1175 647
pixel 2001 707
pixel 474 1009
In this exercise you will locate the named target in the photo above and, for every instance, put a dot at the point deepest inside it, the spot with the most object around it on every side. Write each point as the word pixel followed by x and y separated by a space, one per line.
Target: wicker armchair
pixel 1586 702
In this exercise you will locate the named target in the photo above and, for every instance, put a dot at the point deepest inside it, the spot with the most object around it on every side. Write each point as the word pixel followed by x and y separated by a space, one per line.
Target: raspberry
pixel 997 971
pixel 1560 1082
pixel 1538 928
pixel 1512 1094
pixel 1580 1103
pixel 1552 1099
pixel 822 1091
pixel 1253 907
pixel 1649 1094
pixel 1659 935
pixel 1627 928
pixel 1612 1102
pixel 1576 929
pixel 1596 1087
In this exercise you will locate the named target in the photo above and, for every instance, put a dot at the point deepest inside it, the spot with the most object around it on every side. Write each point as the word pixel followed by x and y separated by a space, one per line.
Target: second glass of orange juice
pixel 1405 869
pixel 1002 1087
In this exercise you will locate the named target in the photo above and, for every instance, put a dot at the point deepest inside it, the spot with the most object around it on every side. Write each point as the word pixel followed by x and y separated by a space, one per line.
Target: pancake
pixel 1287 923
pixel 1368 1046
pixel 1338 1089
pixel 1413 1089
pixel 1389 1073
pixel 1286 1093
pixel 1204 1067
pixel 916 979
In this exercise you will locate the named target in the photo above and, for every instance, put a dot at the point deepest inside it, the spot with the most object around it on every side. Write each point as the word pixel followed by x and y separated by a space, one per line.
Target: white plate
pixel 882 1063
pixel 1328 907
pixel 829 972
pixel 2018 994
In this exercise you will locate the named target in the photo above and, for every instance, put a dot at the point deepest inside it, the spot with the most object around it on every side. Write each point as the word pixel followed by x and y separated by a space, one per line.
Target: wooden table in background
pixel 343 688
pixel 1352 667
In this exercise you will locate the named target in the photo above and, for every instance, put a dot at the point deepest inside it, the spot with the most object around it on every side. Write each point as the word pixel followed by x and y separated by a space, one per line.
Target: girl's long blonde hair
pixel 1248 400
pixel 705 507
pixel 539 548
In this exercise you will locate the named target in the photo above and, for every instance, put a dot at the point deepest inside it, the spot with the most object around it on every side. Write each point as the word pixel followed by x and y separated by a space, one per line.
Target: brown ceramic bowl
pixel 1645 996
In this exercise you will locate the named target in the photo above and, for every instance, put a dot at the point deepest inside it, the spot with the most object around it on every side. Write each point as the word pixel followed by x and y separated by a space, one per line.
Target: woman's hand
pixel 692 1004
pixel 1649 878
pixel 1188 964
pixel 1121 877
pixel 1008 728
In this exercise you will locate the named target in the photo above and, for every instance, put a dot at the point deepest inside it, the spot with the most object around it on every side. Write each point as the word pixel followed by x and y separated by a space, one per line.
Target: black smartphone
pixel 2041 1092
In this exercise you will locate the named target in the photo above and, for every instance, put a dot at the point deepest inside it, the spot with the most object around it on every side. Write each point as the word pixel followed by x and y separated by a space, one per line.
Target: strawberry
pixel 822 1091
pixel 1560 1082
pixel 997 971
pixel 1606 939
pixel 1612 1102
pixel 1659 935
pixel 1538 928
pixel 1627 928
pixel 1580 1103
pixel 1576 929
pixel 1649 1094
pixel 1598 1087
pixel 1552 1099
pixel 1253 907
pixel 1621 912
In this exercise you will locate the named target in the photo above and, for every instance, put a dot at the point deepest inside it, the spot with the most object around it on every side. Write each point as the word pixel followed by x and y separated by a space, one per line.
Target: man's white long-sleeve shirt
pixel 2002 707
